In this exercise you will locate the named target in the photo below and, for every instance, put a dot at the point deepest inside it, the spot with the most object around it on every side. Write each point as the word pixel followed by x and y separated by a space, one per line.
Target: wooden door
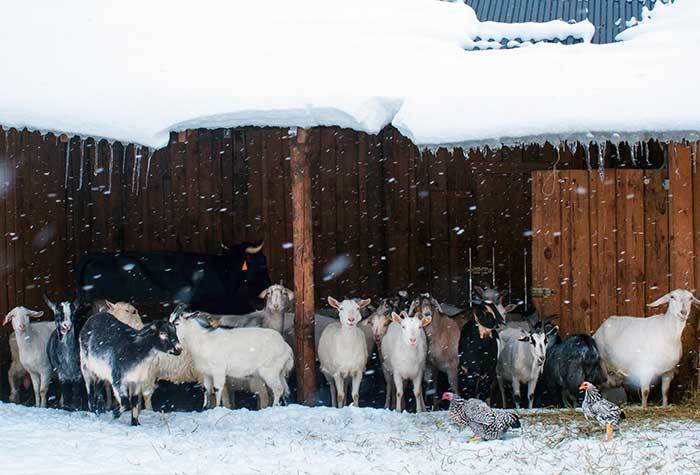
pixel 600 244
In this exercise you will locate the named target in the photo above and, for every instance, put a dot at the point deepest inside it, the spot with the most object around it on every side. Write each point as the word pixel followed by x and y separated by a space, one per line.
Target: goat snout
pixel 351 321
pixel 177 349
pixel 412 341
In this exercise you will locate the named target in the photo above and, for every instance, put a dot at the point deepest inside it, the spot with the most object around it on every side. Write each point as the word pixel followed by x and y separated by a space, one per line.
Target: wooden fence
pixel 402 218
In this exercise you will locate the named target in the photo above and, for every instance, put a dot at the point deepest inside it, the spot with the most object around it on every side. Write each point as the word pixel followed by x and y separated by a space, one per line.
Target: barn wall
pixel 401 217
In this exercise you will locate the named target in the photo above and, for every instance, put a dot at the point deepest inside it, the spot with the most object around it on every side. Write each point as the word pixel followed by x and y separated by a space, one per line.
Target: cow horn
pixel 254 249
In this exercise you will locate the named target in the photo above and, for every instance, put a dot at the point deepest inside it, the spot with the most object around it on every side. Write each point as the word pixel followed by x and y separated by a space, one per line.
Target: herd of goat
pixel 104 351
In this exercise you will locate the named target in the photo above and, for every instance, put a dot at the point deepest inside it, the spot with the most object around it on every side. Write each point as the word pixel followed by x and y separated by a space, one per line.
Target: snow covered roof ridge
pixel 134 71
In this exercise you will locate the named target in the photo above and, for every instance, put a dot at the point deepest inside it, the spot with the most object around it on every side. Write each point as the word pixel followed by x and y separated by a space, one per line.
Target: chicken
pixel 486 423
pixel 604 412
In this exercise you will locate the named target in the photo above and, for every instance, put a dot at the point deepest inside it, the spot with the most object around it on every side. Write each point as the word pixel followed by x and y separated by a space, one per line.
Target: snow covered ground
pixel 297 439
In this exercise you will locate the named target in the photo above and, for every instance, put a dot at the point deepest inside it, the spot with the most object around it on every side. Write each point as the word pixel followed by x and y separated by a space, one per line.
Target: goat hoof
pixel 135 422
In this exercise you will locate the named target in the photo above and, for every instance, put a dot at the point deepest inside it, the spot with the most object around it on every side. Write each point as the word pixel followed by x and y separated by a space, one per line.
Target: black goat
pixel 478 351
pixel 569 363
pixel 114 352
pixel 62 350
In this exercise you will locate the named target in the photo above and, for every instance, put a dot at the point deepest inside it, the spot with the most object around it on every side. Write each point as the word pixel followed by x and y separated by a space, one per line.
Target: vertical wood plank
pixel 603 247
pixel 546 240
pixel 579 193
pixel 656 233
pixel 303 269
pixel 630 242
pixel 682 247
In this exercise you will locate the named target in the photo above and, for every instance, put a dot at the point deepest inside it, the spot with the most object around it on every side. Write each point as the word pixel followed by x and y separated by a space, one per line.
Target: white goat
pixel 32 338
pixel 643 348
pixel 521 361
pixel 342 351
pixel 278 300
pixel 404 348
pixel 223 353
pixel 16 373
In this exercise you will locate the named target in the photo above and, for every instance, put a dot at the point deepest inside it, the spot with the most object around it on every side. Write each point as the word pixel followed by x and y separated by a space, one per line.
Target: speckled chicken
pixel 486 423
pixel 596 408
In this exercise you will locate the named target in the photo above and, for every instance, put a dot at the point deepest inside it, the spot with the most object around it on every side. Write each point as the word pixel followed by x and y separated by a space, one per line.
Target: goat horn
pixel 254 249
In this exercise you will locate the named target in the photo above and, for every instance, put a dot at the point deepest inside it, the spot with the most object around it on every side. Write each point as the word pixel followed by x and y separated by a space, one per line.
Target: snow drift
pixel 133 71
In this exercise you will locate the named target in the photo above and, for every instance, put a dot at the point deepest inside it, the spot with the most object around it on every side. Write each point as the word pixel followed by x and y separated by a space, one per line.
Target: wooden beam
pixel 304 345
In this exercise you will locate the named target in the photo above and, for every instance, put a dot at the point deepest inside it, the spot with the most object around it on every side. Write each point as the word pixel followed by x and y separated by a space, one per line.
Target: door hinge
pixel 541 292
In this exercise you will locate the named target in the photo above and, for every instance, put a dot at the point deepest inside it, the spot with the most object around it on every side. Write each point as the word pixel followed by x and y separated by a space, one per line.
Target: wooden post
pixel 304 345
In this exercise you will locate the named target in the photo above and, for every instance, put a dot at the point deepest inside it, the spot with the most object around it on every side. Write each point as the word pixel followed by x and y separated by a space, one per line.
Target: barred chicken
pixel 596 408
pixel 486 423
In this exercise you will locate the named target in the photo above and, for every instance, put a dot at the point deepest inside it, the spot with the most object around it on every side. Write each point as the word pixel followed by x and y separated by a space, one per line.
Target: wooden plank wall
pixel 400 217
pixel 609 244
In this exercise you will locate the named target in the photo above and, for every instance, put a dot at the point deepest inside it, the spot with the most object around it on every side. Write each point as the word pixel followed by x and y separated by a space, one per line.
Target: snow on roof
pixel 133 71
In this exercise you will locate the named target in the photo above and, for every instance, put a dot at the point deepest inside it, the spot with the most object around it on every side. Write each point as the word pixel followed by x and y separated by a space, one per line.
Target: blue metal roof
pixel 609 16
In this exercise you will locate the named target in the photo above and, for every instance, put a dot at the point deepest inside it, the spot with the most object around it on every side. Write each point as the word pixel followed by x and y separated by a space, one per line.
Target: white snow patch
pixel 133 71
pixel 296 439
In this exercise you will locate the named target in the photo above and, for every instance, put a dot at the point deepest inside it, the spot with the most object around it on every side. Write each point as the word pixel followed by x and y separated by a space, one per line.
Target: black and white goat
pixel 63 349
pixel 113 352
pixel 478 351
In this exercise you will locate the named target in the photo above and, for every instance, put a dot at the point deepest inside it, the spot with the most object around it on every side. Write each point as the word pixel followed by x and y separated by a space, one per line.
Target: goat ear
pixel 412 307
pixel 660 301
pixel 109 305
pixel 35 313
pixel 695 300
pixel 511 306
pixel 333 303
pixel 425 321
pixel 436 304
pixel 263 294
pixel 364 303
pixel 9 317
pixel 290 294
pixel 524 338
pixel 552 331
pixel 396 318
pixel 479 291
pixel 51 305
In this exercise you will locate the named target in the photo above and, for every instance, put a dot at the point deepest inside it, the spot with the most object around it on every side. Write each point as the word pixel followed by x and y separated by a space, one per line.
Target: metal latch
pixel 541 292
pixel 480 270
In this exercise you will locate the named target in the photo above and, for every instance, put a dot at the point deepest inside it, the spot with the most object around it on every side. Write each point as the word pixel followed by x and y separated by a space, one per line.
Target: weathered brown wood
pixel 303 268
pixel 567 325
pixel 682 248
pixel 603 247
pixel 579 193
pixel 656 237
pixel 546 242
pixel 630 242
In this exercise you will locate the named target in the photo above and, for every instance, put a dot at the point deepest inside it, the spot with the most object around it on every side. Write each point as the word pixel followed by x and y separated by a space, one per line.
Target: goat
pixel 63 349
pixel 114 352
pixel 125 313
pixel 443 338
pixel 278 300
pixel 220 353
pixel 342 351
pixel 569 363
pixel 375 326
pixel 521 361
pixel 492 294
pixel 404 348
pixel 644 348
pixel 478 351
pixel 32 340
pixel 16 375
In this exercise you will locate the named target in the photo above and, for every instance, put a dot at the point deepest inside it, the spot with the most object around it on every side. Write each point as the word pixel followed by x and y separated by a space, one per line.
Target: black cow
pixel 228 284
